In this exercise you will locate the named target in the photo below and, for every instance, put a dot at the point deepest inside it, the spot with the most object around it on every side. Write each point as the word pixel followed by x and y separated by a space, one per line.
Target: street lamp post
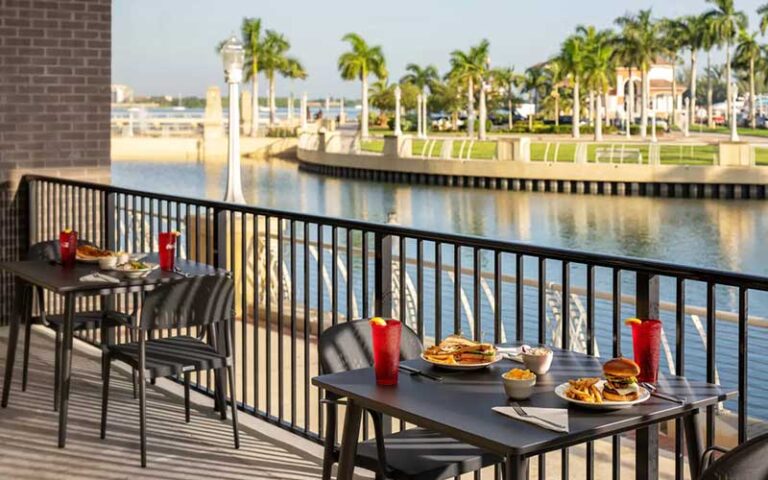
pixel 418 115
pixel 303 113
pixel 398 93
pixel 424 124
pixel 233 58
pixel 734 130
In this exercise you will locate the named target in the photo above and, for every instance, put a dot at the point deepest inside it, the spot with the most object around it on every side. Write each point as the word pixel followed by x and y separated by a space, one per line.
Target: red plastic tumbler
pixel 167 246
pixel 386 351
pixel 68 247
pixel 646 343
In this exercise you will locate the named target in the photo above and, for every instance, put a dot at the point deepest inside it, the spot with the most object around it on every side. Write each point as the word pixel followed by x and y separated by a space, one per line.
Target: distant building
pixel 662 97
pixel 121 93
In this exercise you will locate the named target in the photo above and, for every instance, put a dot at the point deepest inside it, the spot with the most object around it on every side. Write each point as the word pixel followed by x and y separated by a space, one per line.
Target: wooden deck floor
pixel 200 449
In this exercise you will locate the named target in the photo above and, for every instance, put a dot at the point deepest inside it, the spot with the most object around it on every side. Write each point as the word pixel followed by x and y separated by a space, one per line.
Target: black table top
pixel 461 404
pixel 57 279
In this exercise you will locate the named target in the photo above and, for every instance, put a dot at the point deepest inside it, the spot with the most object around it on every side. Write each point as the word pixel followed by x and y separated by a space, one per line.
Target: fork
pixel 519 410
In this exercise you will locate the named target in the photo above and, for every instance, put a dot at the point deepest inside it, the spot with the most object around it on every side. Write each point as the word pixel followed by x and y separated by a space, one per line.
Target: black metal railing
pixel 297 274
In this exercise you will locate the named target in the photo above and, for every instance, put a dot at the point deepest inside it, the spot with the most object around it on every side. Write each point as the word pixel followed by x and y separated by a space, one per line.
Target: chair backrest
pixel 189 302
pixel 349 346
pixel 748 460
pixel 49 250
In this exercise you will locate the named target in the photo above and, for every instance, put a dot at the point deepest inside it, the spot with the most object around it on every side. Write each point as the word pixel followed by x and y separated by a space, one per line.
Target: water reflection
pixel 724 234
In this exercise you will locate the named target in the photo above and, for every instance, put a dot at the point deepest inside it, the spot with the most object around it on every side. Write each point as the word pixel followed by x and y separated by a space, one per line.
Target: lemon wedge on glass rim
pixel 378 321
pixel 632 321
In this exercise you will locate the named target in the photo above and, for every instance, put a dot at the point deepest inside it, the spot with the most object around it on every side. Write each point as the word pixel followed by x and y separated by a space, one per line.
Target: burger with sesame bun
pixel 620 380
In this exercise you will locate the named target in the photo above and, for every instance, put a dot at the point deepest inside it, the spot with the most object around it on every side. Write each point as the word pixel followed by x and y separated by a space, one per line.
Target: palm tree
pixel 692 31
pixel 553 75
pixel 252 43
pixel 274 60
pixel 725 22
pixel 762 11
pixel 674 39
pixel 747 53
pixel 571 59
pixel 468 69
pixel 422 77
pixel 643 35
pixel 625 54
pixel 535 83
pixel 357 64
pixel 593 40
pixel 709 41
pixel 598 72
pixel 508 80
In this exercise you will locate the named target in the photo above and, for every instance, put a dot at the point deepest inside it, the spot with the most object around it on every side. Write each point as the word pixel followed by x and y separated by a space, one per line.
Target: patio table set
pixel 455 414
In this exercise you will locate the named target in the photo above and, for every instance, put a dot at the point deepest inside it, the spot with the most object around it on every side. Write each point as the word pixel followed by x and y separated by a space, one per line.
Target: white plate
pixel 606 405
pixel 135 273
pixel 464 366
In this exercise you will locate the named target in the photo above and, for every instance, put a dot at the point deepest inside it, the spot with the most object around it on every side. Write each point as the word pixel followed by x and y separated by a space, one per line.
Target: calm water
pixel 720 234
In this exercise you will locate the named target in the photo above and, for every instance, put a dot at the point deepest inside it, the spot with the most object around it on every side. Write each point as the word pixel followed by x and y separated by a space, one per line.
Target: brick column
pixel 55 74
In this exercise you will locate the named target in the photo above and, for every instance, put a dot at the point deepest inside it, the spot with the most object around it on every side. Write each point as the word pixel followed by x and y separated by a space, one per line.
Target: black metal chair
pixel 205 302
pixel 748 461
pixel 413 454
pixel 84 319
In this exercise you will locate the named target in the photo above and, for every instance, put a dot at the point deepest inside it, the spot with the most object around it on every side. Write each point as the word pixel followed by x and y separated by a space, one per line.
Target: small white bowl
pixel 538 363
pixel 108 263
pixel 519 389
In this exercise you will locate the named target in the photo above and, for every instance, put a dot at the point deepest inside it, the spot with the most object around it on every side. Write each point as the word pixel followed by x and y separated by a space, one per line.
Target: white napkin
pixel 99 278
pixel 555 415
pixel 512 353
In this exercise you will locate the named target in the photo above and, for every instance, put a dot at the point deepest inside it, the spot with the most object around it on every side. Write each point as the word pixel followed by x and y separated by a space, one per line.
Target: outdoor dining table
pixel 461 406
pixel 66 282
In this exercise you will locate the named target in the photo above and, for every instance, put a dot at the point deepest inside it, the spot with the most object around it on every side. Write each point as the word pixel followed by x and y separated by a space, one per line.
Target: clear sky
pixel 166 47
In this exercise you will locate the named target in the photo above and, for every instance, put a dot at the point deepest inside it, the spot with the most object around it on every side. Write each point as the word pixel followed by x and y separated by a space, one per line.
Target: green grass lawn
pixel 754 132
pixel 670 154
pixel 566 152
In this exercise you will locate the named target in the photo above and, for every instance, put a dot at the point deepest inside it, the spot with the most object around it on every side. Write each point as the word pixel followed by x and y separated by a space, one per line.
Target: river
pixel 721 234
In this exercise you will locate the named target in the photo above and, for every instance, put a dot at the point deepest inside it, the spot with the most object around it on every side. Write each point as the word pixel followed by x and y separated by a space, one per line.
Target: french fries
pixel 584 390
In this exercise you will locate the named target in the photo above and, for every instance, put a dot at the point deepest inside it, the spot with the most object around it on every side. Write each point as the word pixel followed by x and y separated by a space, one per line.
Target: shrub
pixel 282 132
pixel 406 124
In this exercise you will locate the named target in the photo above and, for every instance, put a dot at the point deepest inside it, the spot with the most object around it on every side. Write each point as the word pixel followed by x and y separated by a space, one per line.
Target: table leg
pixel 66 367
pixel 13 338
pixel 647 453
pixel 693 442
pixel 515 468
pixel 349 438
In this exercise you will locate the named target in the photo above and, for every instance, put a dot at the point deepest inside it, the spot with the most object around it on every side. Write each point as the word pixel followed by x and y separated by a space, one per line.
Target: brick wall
pixel 55 73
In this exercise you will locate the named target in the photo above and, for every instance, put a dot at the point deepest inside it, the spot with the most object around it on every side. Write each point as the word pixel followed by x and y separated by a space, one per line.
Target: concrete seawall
pixel 685 181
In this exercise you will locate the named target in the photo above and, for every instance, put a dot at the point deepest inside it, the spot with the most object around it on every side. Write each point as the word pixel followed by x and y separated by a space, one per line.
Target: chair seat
pixel 424 455
pixel 83 320
pixel 171 356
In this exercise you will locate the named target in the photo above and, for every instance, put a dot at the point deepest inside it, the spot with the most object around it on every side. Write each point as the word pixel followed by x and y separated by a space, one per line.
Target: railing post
pixel 647 307
pixel 110 222
pixel 32 213
pixel 647 296
pixel 383 302
pixel 219 241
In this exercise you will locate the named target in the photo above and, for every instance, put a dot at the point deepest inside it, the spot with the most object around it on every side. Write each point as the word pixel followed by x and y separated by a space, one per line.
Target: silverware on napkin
pixel 520 411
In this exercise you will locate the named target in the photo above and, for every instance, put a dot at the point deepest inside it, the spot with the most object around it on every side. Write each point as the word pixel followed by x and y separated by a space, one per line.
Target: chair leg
pixel 233 394
pixel 143 418
pixel 106 367
pixel 220 393
pixel 186 397
pixel 57 371
pixel 27 337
